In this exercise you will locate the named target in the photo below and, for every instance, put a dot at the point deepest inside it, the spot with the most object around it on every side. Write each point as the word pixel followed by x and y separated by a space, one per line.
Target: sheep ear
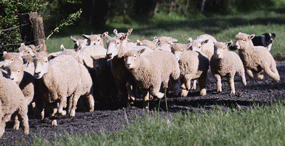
pixel 139 43
pixel 190 40
pixel 204 42
pixel 5 52
pixel 251 36
pixel 104 34
pixel 188 46
pixel 174 40
pixel 22 44
pixel 141 51
pixel 85 36
pixel 73 39
pixel 39 47
pixel 230 43
pixel 115 31
pixel 62 47
pixel 130 31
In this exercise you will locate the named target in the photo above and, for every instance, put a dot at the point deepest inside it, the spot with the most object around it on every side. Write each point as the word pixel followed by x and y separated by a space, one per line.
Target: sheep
pixel 164 42
pixel 125 42
pixel 256 59
pixel 204 44
pixel 12 102
pixel 96 39
pixel 29 49
pixel 79 43
pixel 193 65
pixel 226 63
pixel 151 70
pixel 58 78
pixel 178 48
pixel 151 44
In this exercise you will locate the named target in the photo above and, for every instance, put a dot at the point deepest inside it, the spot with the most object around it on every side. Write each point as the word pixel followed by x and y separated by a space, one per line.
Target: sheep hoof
pixel 233 92
pixel 63 113
pixel 159 95
pixel 72 113
pixel 184 93
pixel 26 132
pixel 54 123
pixel 203 92
pixel 16 127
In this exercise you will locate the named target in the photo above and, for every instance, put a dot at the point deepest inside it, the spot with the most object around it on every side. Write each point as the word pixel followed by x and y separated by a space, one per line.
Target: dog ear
pixel 273 35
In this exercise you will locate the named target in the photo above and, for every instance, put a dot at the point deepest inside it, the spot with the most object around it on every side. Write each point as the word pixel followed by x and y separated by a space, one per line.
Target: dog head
pixel 268 38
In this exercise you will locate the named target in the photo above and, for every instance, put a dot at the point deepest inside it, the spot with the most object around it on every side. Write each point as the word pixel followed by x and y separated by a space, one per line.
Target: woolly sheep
pixel 256 59
pixel 164 42
pixel 29 50
pixel 178 48
pixel 95 39
pixel 151 44
pixel 226 63
pixel 151 70
pixel 125 42
pixel 12 102
pixel 193 65
pixel 204 44
pixel 59 78
pixel 79 43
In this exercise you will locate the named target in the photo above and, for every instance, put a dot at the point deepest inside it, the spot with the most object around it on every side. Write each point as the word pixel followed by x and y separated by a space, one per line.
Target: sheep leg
pixel 242 75
pixel 75 97
pixel 231 83
pixel 202 84
pixel 130 93
pixel 184 91
pixel 272 73
pixel 2 127
pixel 23 115
pixel 249 73
pixel 194 86
pixel 146 98
pixel 219 82
pixel 16 121
pixel 54 109
pixel 155 90
pixel 188 82
pixel 62 103
pixel 260 75
pixel 91 102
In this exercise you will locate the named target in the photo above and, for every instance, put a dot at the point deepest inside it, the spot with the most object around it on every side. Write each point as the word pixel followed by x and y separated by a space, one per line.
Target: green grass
pixel 259 125
pixel 222 27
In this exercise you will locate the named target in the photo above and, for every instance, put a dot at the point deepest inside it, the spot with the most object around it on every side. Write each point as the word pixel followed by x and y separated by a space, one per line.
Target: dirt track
pixel 113 120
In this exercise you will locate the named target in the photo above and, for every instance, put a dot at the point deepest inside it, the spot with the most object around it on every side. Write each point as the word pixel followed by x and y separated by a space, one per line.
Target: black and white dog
pixel 265 40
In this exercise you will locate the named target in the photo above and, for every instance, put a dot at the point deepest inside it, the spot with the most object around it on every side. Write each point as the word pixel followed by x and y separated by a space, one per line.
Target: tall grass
pixel 259 125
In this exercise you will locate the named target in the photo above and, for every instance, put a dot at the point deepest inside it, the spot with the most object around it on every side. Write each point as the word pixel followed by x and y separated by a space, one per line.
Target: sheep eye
pixel 98 40
pixel 18 71
pixel 46 61
pixel 29 52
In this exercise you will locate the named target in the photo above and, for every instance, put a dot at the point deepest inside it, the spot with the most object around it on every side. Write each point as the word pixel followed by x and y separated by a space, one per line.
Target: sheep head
pixel 10 58
pixel 114 47
pixel 28 50
pixel 131 58
pixel 79 43
pixel 96 39
pixel 197 45
pixel 41 65
pixel 178 48
pixel 243 40
pixel 15 72
pixel 220 48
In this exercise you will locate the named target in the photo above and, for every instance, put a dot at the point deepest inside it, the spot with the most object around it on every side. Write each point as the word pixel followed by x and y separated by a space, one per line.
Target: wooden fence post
pixel 32 29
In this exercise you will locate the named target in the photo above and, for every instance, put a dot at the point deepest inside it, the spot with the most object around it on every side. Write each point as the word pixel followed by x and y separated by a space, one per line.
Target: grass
pixel 259 125
pixel 222 27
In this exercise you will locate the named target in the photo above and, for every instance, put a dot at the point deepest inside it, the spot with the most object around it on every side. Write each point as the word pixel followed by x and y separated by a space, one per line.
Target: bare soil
pixel 111 119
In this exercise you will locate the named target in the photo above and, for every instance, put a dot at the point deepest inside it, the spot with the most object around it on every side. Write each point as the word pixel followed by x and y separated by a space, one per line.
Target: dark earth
pixel 107 118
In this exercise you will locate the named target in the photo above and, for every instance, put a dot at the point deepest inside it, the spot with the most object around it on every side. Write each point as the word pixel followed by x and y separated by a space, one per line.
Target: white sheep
pixel 151 70
pixel 95 39
pixel 29 50
pixel 178 48
pixel 164 42
pixel 59 78
pixel 256 59
pixel 79 43
pixel 193 65
pixel 12 102
pixel 204 44
pixel 226 63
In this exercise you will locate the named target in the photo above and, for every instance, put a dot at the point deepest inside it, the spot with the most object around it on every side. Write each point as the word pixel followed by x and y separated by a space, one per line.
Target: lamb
pixel 125 42
pixel 178 48
pixel 96 39
pixel 58 79
pixel 256 59
pixel 79 43
pixel 12 102
pixel 204 44
pixel 151 70
pixel 164 42
pixel 226 63
pixel 151 44
pixel 193 65
pixel 29 50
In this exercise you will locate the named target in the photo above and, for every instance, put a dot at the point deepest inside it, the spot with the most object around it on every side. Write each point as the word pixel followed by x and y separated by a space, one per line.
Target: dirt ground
pixel 112 120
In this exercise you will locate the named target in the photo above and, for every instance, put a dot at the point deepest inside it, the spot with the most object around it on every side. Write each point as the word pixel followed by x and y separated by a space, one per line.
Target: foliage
pixel 66 22
pixel 9 10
